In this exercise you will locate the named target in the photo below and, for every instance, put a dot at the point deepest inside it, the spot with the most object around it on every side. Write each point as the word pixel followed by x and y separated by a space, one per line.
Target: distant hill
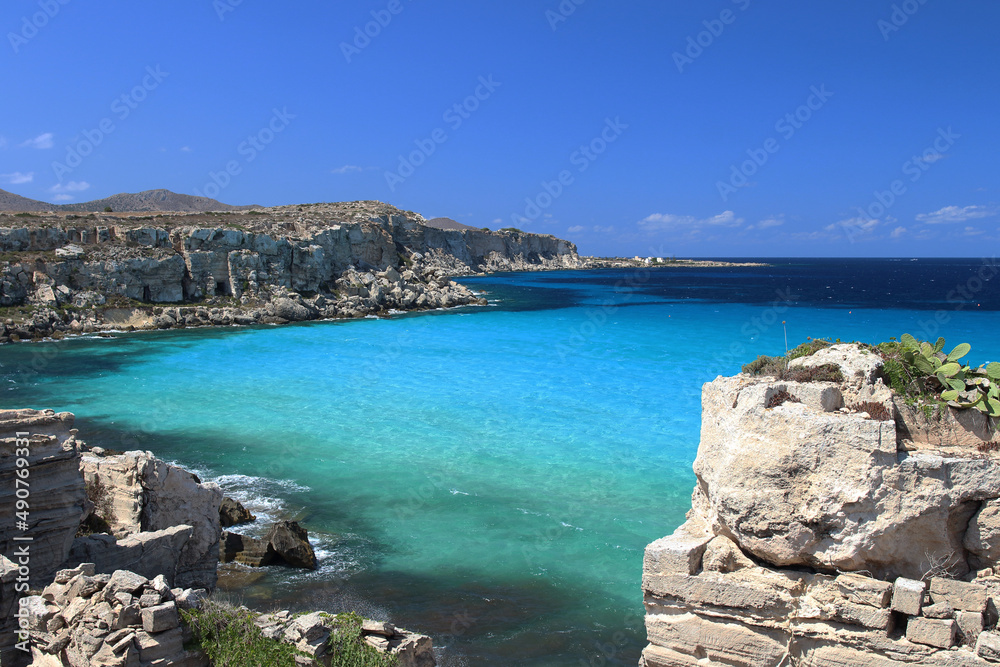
pixel 447 223
pixel 12 202
pixel 150 200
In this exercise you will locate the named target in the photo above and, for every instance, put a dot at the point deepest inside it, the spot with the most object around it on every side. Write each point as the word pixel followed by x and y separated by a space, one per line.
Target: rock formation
pixel 820 535
pixel 115 602
pixel 51 490
pixel 43 500
pixel 122 619
pixel 84 619
pixel 286 543
pixel 232 513
pixel 147 499
pixel 271 266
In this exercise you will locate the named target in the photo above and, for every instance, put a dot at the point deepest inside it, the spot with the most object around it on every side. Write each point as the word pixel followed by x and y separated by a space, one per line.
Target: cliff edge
pixel 830 527
pixel 63 273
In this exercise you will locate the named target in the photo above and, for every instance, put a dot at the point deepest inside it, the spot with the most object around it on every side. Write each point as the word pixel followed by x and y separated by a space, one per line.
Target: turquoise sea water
pixel 491 475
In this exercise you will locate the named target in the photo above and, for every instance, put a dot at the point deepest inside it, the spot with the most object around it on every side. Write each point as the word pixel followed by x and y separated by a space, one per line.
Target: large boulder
pixel 291 542
pixel 232 513
pixel 804 484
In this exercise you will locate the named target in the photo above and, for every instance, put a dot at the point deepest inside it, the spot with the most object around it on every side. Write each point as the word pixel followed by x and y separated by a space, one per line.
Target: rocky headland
pixel 832 524
pixel 113 559
pixel 62 273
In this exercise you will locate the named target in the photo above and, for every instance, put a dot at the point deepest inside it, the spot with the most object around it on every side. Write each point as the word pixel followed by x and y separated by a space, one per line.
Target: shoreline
pixel 216 313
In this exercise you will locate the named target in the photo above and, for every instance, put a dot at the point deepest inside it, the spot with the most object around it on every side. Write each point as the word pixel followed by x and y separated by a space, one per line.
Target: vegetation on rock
pixel 923 373
pixel 229 637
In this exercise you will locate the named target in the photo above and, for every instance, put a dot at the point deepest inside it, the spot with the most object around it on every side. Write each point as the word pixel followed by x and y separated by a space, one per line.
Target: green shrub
pixel 230 638
pixel 765 365
pixel 777 367
pixel 922 372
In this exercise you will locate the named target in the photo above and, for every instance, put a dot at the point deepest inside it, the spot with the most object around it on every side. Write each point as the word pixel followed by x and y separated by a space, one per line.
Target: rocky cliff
pixel 822 532
pixel 65 274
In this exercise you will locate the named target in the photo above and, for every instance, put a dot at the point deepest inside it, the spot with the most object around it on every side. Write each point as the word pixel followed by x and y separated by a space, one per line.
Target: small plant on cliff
pixel 778 366
pixel 103 515
pixel 229 637
pixel 350 650
pixel 920 370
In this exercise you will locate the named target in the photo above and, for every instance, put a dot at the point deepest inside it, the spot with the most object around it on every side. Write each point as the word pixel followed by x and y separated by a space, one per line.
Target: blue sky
pixel 708 128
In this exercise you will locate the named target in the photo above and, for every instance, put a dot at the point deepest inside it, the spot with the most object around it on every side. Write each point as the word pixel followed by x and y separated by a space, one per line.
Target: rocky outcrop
pixel 286 543
pixel 39 466
pixel 43 500
pixel 232 513
pixel 277 265
pixel 139 494
pixel 310 634
pixel 820 536
pixel 85 619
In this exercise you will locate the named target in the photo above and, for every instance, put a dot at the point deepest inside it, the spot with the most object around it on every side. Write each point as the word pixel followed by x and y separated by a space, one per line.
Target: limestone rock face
pixel 53 488
pixel 818 537
pixel 797 485
pixel 146 494
pixel 265 260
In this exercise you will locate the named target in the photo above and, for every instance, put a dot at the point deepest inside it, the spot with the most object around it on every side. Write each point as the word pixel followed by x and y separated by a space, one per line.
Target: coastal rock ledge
pixel 113 547
pixel 822 536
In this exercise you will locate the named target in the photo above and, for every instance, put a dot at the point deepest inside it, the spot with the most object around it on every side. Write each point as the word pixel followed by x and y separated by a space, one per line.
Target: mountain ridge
pixel 159 199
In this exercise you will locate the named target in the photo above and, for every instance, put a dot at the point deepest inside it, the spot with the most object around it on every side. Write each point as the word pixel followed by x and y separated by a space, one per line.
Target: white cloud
pixel 70 186
pixel 659 221
pixel 41 142
pixel 185 149
pixel 931 158
pixel 972 231
pixel 854 226
pixel 3 142
pixel 498 221
pixel 952 214
pixel 897 233
pixel 63 197
pixel 575 229
pixel 17 178
pixel 348 169
pixel 773 221
pixel 604 230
